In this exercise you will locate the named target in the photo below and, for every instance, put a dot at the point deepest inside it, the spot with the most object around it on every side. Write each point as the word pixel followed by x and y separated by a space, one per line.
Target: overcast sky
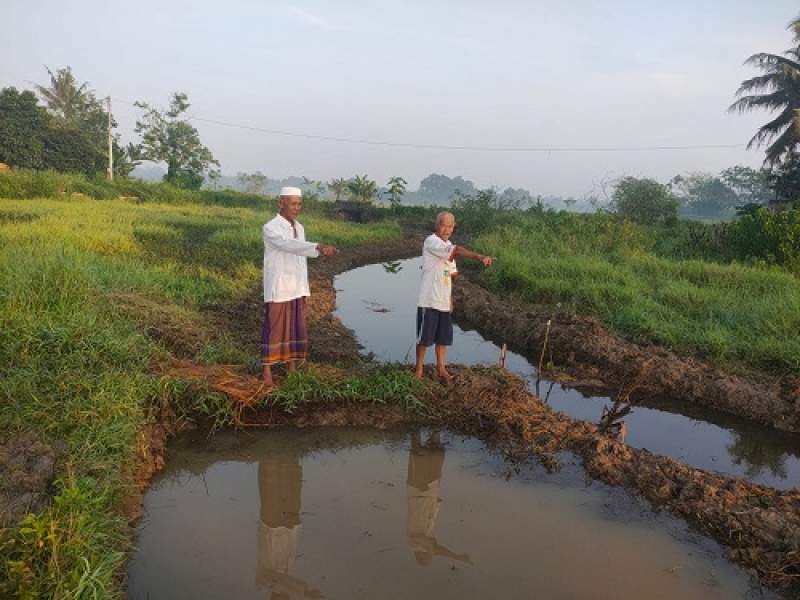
pixel 498 74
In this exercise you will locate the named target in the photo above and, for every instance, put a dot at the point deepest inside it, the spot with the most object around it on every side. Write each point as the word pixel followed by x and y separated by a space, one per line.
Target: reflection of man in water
pixel 424 473
pixel 280 480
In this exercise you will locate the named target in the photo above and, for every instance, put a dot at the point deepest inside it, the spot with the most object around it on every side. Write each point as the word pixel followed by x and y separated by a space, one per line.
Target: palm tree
pixel 362 188
pixel 339 187
pixel 65 98
pixel 777 89
pixel 397 187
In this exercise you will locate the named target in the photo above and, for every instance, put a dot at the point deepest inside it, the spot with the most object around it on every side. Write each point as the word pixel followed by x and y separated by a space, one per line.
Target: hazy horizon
pixel 524 74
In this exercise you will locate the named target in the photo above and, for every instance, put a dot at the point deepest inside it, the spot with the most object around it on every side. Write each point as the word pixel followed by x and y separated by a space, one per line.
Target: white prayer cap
pixel 291 191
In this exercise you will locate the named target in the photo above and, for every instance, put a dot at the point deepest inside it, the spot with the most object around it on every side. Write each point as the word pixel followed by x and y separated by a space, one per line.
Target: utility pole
pixel 110 144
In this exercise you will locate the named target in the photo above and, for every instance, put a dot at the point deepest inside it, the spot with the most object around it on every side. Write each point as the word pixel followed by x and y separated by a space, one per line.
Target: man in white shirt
pixel 435 304
pixel 284 338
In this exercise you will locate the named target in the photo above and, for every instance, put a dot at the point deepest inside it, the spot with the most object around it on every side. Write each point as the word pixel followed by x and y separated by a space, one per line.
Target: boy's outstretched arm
pixel 465 253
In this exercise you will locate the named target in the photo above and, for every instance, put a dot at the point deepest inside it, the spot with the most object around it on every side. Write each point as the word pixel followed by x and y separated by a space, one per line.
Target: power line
pixel 470 148
pixel 462 148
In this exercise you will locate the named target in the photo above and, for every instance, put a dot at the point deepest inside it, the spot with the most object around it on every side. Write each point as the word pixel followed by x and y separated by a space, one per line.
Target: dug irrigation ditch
pixel 760 526
pixel 582 348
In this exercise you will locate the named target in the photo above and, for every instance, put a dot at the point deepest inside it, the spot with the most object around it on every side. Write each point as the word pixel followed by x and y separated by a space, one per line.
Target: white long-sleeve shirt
pixel 285 253
pixel 438 266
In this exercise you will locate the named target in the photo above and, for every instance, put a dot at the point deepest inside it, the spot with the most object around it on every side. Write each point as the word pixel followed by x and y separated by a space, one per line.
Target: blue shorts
pixel 434 327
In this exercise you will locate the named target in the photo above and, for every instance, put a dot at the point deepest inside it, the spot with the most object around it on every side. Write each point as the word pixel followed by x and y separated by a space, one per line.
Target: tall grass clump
pixel 27 183
pixel 761 238
pixel 77 377
pixel 382 385
pixel 608 268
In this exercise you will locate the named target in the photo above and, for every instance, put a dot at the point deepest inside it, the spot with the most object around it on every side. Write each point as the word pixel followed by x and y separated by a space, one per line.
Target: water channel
pixel 359 513
pixel 378 302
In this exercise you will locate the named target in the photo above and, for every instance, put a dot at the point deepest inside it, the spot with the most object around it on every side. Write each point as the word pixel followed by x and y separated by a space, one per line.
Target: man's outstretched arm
pixel 293 246
pixel 465 253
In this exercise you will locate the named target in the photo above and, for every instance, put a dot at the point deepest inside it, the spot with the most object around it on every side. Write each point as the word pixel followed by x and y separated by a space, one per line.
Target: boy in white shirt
pixel 435 304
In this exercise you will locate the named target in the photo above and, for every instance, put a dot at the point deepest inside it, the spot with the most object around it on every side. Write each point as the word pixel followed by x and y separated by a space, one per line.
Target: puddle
pixel 354 513
pixel 378 302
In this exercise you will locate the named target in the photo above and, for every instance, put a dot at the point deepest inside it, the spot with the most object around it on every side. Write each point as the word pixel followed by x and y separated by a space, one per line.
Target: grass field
pixel 625 275
pixel 75 367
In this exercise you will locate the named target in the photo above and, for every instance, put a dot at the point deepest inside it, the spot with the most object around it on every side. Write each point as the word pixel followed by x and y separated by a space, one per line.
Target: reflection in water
pixel 694 435
pixel 422 486
pixel 755 456
pixel 546 396
pixel 393 266
pixel 280 482
pixel 358 514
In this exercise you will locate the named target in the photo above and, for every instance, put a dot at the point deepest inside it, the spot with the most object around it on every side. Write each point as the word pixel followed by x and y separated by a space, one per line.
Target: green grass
pixel 24 184
pixel 77 368
pixel 732 314
pixel 387 384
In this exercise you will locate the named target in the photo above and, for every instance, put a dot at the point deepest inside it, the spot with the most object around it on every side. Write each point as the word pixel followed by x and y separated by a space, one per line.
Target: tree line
pixel 69 132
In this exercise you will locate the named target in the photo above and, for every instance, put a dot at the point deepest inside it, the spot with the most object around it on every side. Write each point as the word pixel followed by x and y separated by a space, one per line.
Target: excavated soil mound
pixel 759 525
pixel 584 348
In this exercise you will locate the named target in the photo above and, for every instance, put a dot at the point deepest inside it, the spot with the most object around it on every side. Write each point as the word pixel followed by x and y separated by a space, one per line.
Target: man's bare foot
pixel 443 374
pixel 266 377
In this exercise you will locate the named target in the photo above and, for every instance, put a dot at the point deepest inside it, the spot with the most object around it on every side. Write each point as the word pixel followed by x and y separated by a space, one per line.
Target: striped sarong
pixel 284 337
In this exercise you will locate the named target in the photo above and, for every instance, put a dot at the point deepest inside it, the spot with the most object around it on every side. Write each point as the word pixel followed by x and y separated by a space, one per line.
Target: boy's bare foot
pixel 418 373
pixel 443 374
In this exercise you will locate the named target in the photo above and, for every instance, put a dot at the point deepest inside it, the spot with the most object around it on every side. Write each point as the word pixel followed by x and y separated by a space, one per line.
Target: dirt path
pixel 759 526
pixel 584 349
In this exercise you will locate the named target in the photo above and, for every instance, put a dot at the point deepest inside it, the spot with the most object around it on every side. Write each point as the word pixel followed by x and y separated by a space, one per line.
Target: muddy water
pixel 378 302
pixel 353 513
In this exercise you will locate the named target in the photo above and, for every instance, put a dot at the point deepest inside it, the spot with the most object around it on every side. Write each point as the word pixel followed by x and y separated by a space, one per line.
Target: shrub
pixel 28 183
pixel 645 201
pixel 771 237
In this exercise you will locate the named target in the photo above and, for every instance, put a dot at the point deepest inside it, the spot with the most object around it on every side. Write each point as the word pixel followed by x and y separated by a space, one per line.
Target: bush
pixel 21 124
pixel 484 209
pixel 645 201
pixel 24 183
pixel 771 237
pixel 71 150
pixel 28 183
pixel 617 271
pixel 693 239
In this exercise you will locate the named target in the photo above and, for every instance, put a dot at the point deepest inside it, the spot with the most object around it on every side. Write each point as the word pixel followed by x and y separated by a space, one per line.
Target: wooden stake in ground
pixel 544 346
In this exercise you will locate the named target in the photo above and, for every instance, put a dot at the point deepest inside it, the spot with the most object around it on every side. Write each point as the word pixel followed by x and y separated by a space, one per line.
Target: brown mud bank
pixel 760 526
pixel 584 349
